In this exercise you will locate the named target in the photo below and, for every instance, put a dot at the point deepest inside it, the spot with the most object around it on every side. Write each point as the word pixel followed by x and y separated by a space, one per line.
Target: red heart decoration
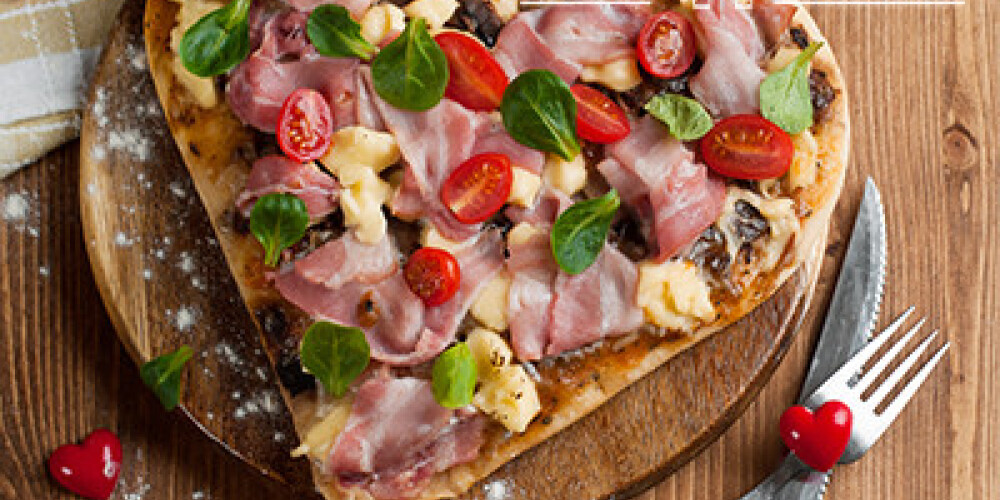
pixel 817 439
pixel 89 469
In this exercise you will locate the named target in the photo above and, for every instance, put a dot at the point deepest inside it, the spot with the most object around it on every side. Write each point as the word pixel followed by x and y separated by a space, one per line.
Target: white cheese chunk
pixel 783 57
pixel 620 74
pixel 435 12
pixel 490 308
pixel 361 198
pixel 505 9
pixel 322 432
pixel 506 392
pixel 803 170
pixel 781 220
pixel 430 237
pixel 521 233
pixel 381 20
pixel 361 146
pixel 201 90
pixel 524 188
pixel 566 176
pixel 674 295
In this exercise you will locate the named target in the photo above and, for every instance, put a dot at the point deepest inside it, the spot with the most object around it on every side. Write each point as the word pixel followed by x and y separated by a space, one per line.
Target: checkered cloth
pixel 48 49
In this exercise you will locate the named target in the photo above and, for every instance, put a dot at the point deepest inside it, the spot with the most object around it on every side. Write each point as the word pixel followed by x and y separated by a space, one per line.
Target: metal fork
pixel 846 386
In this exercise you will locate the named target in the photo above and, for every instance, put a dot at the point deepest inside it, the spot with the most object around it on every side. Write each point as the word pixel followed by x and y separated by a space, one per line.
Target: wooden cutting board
pixel 165 283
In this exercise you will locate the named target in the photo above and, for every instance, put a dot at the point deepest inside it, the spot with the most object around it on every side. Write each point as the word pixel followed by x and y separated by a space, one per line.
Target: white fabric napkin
pixel 48 49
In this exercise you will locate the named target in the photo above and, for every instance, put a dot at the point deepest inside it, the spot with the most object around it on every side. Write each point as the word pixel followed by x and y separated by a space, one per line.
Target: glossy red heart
pixel 89 469
pixel 818 439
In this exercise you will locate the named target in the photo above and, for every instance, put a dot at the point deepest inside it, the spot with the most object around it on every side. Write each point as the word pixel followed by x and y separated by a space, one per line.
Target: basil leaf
pixel 685 117
pixel 579 233
pixel 335 354
pixel 218 41
pixel 163 375
pixel 412 71
pixel 539 111
pixel 335 34
pixel 784 95
pixel 278 220
pixel 453 378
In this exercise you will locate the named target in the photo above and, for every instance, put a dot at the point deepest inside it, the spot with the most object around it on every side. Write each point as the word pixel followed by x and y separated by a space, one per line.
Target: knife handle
pixel 793 480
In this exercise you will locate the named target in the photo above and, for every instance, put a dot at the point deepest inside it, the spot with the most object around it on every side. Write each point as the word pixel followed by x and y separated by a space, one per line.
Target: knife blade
pixel 849 321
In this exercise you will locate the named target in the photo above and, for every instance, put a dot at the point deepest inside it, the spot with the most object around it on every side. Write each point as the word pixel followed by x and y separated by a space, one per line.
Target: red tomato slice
pixel 476 80
pixel 598 119
pixel 747 147
pixel 433 275
pixel 305 125
pixel 478 187
pixel 666 45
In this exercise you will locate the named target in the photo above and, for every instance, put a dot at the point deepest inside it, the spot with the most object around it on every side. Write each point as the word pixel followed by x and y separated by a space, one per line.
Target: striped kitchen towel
pixel 48 49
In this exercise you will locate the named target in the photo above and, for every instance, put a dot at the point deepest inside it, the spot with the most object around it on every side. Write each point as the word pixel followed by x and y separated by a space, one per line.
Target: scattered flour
pixel 185 318
pixel 123 240
pixel 43 271
pixel 16 207
pixel 132 142
pixel 186 263
pixel 497 490
pixel 266 402
pixel 198 495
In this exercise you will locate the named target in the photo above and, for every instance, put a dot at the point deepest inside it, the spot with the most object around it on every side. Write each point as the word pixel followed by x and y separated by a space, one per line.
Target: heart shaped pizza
pixel 463 225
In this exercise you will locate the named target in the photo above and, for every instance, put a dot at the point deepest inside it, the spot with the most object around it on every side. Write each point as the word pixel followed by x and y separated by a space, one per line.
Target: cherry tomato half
pixel 476 80
pixel 478 187
pixel 598 118
pixel 666 45
pixel 305 125
pixel 433 275
pixel 747 147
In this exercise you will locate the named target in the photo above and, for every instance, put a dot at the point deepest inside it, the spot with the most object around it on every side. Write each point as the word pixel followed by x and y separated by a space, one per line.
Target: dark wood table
pixel 925 106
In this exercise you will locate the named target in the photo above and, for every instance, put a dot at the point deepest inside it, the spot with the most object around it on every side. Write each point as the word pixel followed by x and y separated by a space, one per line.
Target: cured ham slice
pixel 397 436
pixel 492 137
pixel 562 38
pixel 533 272
pixel 355 284
pixel 279 174
pixel 357 8
pixel 284 62
pixel 597 303
pixel 729 81
pixel 657 175
pixel 773 18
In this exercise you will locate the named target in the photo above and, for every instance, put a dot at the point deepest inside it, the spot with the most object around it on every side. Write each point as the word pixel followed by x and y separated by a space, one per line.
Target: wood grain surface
pixel 925 108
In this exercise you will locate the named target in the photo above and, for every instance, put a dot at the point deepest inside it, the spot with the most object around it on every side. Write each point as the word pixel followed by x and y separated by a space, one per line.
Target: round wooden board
pixel 165 283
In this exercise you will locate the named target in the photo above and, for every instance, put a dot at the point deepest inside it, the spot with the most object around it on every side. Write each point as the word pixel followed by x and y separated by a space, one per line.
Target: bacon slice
pixel 729 81
pixel 279 174
pixel 397 436
pixel 533 273
pixel 284 62
pixel 657 175
pixel 562 38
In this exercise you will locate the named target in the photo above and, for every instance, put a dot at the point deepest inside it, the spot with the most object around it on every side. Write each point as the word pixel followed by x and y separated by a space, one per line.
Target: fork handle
pixel 793 480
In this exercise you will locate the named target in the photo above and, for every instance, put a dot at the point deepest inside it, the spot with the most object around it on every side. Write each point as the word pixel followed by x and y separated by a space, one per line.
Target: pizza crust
pixel 213 144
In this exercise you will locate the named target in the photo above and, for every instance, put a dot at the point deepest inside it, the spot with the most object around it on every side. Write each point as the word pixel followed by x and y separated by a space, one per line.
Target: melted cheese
pixel 490 308
pixel 524 188
pixel 566 176
pixel 781 220
pixel 435 12
pixel 430 237
pixel 674 295
pixel 783 57
pixel 620 74
pixel 521 233
pixel 323 431
pixel 506 392
pixel 202 90
pixel 361 146
pixel 361 198
pixel 380 20
pixel 505 9
pixel 803 170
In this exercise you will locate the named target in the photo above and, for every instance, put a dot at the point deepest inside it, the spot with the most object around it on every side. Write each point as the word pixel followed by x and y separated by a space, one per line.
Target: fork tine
pixel 892 411
pixel 899 372
pixel 853 365
pixel 884 361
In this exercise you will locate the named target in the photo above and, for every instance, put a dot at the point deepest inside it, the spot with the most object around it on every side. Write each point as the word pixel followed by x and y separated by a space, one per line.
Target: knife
pixel 846 329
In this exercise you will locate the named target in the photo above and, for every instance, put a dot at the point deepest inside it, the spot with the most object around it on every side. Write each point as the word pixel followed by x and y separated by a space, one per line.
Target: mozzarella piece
pixel 783 224
pixel 524 188
pixel 506 392
pixel 380 20
pixel 505 9
pixel 803 170
pixel 490 308
pixel 361 146
pixel 521 233
pixel 361 198
pixel 321 433
pixel 620 74
pixel 430 237
pixel 435 12
pixel 202 90
pixel 674 295
pixel 566 176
